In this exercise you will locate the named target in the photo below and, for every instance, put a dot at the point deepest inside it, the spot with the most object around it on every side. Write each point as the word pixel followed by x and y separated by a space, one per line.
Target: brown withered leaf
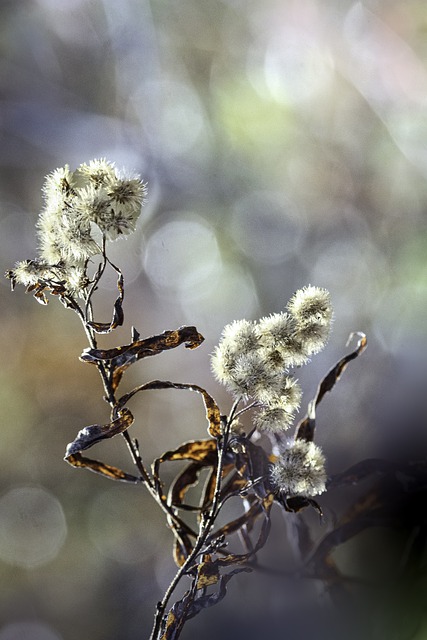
pixel 9 274
pixel 88 436
pixel 187 478
pixel 235 525
pixel 210 486
pixel 234 485
pixel 182 547
pixel 394 501
pixel 212 411
pixel 197 450
pixel 297 503
pixel 170 628
pixel 118 315
pixel 120 358
pixel 265 504
pixel 77 460
pixel 42 286
pixel 252 463
pixel 207 572
pixel 38 291
pixel 193 602
pixel 196 599
pixel 305 428
pixel 209 600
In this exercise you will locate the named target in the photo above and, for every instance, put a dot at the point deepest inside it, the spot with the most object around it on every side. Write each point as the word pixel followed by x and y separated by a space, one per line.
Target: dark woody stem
pixel 206 524
pixel 111 399
pixel 208 519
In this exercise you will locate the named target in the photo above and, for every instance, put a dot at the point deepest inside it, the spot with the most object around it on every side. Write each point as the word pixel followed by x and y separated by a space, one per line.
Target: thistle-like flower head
pixel 96 193
pixel 253 359
pixel 300 470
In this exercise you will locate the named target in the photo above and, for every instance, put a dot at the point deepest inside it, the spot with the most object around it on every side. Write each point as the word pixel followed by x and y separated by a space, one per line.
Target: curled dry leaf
pixel 194 601
pixel 77 460
pixel 252 463
pixel 187 478
pixel 305 429
pixel 120 358
pixel 88 436
pixel 118 315
pixel 92 434
pixel 213 415
pixel 182 547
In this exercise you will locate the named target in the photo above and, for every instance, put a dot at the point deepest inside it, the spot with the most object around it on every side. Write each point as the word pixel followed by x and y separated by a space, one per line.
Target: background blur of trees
pixel 284 143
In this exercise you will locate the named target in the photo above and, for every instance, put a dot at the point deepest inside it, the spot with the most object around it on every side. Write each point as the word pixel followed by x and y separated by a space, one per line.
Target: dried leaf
pixel 200 451
pixel 235 525
pixel 189 477
pixel 120 358
pixel 192 603
pixel 210 485
pixel 197 450
pixel 134 335
pixel 305 429
pixel 395 502
pixel 203 452
pixel 207 573
pixel 264 507
pixel 213 415
pixel 118 315
pixel 297 503
pixel 11 276
pixel 170 625
pixel 77 460
pixel 234 486
pixel 182 547
pixel 205 601
pixel 253 465
pixel 89 436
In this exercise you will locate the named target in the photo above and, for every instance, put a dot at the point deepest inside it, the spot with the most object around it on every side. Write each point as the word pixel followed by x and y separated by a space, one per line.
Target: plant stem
pixel 206 525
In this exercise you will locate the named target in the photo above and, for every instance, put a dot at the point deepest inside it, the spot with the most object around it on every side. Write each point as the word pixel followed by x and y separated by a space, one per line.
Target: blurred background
pixel 284 143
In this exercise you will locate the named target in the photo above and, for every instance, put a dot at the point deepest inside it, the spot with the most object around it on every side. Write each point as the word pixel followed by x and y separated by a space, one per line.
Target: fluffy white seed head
pixel 253 358
pixel 76 279
pixel 74 202
pixel 312 337
pixel 300 470
pixel 273 417
pixel 59 185
pixel 311 305
pixel 28 272
pixel 223 361
pixel 274 330
pixel 277 335
pixel 250 377
pixel 240 336
pixel 94 193
pixel 311 311
pixel 290 393
pixel 97 172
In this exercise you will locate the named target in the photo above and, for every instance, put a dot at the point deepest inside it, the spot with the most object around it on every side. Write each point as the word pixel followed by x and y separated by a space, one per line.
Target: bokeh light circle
pixel 267 227
pixel 32 527
pixel 28 631
pixel 182 254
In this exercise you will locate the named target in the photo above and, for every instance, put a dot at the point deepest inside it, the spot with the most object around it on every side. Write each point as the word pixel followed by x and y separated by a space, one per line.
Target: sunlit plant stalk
pixel 83 211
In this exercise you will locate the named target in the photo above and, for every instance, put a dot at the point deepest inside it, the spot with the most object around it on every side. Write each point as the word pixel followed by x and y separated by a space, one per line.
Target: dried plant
pixel 83 211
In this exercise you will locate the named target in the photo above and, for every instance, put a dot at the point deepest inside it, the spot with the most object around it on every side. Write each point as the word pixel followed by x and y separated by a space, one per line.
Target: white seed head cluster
pixel 74 201
pixel 300 470
pixel 253 359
